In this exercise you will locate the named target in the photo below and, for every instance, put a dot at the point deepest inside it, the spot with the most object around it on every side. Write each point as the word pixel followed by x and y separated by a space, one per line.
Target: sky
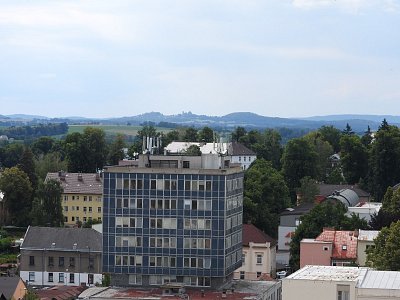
pixel 279 58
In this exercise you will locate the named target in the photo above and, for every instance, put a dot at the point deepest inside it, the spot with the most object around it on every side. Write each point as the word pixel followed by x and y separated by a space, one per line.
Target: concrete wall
pixel 361 255
pixel 283 241
pixel 298 289
pixel 42 279
pixel 374 294
pixel 314 253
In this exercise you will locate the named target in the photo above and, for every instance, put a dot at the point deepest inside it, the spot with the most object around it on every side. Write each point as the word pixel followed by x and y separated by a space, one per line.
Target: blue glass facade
pixel 163 225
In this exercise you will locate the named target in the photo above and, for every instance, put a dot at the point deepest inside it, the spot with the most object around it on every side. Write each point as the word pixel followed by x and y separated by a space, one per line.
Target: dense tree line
pixel 27 132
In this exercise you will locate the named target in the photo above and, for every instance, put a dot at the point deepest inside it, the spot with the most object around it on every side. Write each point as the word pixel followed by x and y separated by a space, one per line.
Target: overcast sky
pixel 285 58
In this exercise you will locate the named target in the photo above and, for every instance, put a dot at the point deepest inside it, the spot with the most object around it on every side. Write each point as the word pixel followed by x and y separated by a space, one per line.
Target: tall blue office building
pixel 173 219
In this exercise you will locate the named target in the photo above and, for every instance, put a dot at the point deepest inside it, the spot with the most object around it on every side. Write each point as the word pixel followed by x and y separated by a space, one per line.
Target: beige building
pixel 82 196
pixel 259 254
pixel 12 288
pixel 341 283
pixel 365 240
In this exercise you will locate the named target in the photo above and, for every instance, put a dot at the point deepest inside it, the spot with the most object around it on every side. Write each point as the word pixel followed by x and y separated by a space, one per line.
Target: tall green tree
pixel 238 133
pixel 47 210
pixel 17 190
pixel 11 155
pixel 308 190
pixel 42 145
pixel 74 148
pixel 354 158
pixel 265 196
pixel 331 135
pixel 269 147
pixel 348 130
pixel 116 150
pixel 299 160
pixel 50 162
pixel 366 139
pixel 384 160
pixel 94 145
pixel 386 253
pixel 27 164
pixel 206 135
pixel 323 150
pixel 190 135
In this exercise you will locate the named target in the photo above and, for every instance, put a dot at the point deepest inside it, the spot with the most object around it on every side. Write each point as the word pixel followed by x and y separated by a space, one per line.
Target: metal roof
pixel 380 280
pixel 79 183
pixel 62 239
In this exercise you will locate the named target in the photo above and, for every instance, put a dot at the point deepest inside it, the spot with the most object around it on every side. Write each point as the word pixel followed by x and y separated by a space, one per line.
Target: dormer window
pixel 344 247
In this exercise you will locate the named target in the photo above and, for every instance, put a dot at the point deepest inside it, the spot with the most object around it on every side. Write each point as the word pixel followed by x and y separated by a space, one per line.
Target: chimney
pixel 80 177
pixel 97 177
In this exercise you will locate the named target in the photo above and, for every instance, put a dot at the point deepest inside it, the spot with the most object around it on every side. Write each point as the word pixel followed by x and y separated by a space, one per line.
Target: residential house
pixel 341 283
pixel 173 219
pixel 61 256
pixel 365 210
pixel 330 248
pixel 289 220
pixel 12 288
pixel 82 196
pixel 259 254
pixel 365 241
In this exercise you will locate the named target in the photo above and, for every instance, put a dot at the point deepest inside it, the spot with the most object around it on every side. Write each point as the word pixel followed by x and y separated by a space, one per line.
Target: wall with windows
pixel 81 207
pixel 55 267
pixel 174 224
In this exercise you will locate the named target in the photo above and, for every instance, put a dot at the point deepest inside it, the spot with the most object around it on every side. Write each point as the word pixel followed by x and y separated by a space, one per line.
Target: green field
pixel 114 129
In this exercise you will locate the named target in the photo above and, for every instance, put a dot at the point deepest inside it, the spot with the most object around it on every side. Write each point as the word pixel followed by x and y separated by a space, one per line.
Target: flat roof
pixel 328 273
pixel 367 235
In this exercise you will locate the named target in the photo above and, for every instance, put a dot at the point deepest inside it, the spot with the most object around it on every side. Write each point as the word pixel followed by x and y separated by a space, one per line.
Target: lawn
pixel 114 129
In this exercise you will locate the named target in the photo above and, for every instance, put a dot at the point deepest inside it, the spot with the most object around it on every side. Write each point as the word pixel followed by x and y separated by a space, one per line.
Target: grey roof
pixel 301 209
pixel 328 189
pixel 381 280
pixel 8 286
pixel 347 197
pixel 237 149
pixel 62 239
pixel 78 183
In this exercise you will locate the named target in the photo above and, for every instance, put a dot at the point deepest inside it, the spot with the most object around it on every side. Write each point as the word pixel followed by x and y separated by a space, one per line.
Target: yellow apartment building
pixel 82 199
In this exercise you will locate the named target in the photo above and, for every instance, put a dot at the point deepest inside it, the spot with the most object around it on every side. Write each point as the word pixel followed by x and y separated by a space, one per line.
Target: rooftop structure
pixel 329 282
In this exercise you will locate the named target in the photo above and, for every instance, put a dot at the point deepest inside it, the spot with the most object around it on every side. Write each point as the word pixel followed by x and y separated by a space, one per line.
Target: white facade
pixel 341 283
pixel 59 278
pixel 365 210
pixel 244 160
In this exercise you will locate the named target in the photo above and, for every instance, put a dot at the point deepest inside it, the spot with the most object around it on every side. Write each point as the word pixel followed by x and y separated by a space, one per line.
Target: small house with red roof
pixel 330 248
pixel 259 254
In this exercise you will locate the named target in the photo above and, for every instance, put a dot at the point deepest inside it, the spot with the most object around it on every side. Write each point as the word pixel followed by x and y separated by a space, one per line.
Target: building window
pixel 31 260
pixel 259 259
pixel 135 279
pixel 65 219
pixel 61 277
pixel 61 261
pixel 65 208
pixel 243 258
pixel 99 209
pixel 343 292
pixel 258 274
pixel 51 261
pixel 72 261
pixel 186 164
pixel 31 276
pixel 72 278
pixel 242 276
pixel 90 209
pixel 90 278
pixel 50 279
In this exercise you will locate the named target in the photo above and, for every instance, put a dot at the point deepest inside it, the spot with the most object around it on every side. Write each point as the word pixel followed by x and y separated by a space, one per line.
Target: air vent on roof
pixel 53 245
pixel 80 177
pixel 74 247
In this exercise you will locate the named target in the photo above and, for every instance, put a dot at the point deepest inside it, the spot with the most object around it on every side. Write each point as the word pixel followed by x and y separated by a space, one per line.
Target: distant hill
pixel 249 120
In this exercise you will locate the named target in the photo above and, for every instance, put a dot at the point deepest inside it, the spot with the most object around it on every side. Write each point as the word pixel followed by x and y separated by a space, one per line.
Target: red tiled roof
pixel 60 292
pixel 344 243
pixel 252 234
pixel 78 183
